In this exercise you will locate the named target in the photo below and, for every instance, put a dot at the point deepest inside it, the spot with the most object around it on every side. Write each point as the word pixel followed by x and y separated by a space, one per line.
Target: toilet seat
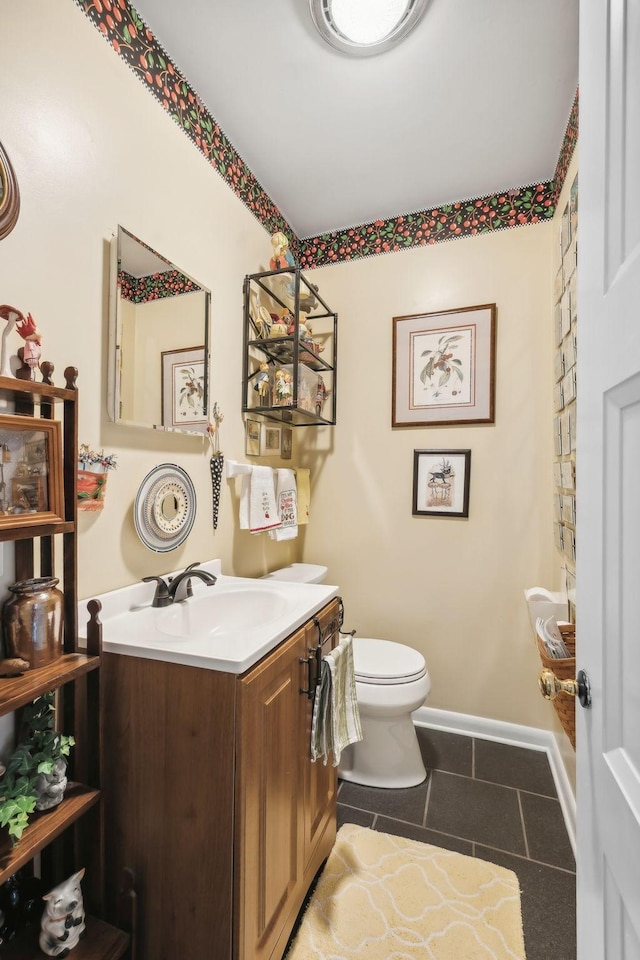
pixel 385 662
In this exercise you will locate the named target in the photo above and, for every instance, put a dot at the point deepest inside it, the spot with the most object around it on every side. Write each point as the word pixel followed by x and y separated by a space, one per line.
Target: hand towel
pixel 245 493
pixel 336 720
pixel 304 494
pixel 287 503
pixel 263 513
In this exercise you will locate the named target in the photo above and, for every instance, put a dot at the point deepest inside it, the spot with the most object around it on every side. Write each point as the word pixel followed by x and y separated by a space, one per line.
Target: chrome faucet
pixel 178 588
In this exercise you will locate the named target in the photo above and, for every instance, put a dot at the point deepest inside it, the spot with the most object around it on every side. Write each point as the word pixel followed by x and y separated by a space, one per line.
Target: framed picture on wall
pixel 444 367
pixel 183 376
pixel 31 477
pixel 287 443
pixel 252 438
pixel 270 439
pixel 441 480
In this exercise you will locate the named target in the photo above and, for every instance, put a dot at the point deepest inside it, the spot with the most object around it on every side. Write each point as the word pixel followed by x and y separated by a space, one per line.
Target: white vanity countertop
pixel 228 626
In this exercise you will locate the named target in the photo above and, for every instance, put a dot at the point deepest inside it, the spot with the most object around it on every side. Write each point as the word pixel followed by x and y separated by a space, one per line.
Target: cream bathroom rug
pixel 387 898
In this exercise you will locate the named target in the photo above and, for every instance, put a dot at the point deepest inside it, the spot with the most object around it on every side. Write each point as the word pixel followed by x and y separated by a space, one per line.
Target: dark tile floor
pixel 492 801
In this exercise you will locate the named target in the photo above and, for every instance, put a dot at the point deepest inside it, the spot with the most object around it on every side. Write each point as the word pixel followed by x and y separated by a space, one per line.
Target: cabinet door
pixel 269 801
pixel 320 780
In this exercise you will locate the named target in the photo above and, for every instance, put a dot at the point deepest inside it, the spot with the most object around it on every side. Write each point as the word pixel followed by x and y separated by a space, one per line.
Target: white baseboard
pixel 515 735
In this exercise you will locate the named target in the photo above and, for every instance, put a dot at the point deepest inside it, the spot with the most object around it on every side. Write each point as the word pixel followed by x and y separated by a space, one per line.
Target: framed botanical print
pixel 444 367
pixel 183 377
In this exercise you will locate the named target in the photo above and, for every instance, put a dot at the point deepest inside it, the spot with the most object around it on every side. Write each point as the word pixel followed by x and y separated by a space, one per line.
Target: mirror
pixel 158 341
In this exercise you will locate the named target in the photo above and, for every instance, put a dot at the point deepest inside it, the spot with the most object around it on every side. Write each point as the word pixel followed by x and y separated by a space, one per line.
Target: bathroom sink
pixel 228 626
pixel 218 610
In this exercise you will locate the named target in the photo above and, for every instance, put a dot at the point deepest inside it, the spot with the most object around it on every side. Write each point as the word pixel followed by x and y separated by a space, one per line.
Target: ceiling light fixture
pixel 364 27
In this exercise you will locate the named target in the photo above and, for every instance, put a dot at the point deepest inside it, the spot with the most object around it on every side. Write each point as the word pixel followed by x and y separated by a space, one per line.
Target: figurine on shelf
pixel 321 395
pixel 279 326
pixel 32 337
pixel 62 924
pixel 284 388
pixel 261 385
pixel 50 787
pixel 283 258
pixel 10 316
pixel 259 314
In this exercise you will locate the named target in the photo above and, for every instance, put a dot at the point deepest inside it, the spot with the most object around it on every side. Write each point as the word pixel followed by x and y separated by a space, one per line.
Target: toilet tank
pixel 299 573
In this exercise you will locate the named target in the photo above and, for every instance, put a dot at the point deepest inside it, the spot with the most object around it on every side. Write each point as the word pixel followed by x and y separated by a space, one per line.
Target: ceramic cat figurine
pixel 62 924
pixel 50 787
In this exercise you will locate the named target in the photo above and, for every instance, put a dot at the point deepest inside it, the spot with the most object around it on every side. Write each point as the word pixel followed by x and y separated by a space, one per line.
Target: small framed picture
pixel 35 452
pixel 31 477
pixel 286 443
pixel 441 483
pixel 252 438
pixel 270 438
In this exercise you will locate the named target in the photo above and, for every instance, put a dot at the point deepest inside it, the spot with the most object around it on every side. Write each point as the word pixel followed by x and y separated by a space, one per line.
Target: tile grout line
pixel 426 802
pixel 473 758
pixel 496 783
pixel 524 829
pixel 475 844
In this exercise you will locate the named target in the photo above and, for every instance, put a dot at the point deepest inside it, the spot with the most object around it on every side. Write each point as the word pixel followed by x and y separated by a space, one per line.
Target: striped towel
pixel 336 720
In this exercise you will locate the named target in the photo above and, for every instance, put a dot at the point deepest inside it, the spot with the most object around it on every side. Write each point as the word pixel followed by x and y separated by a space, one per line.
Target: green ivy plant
pixel 39 747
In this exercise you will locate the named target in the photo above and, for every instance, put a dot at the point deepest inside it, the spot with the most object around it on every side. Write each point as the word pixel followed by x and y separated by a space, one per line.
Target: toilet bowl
pixel 391 682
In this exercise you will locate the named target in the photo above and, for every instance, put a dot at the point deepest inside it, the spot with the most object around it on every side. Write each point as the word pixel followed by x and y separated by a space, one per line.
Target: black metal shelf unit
pixel 290 350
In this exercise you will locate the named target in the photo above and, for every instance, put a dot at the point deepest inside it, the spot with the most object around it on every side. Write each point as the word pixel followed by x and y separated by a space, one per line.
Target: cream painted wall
pixel 91 149
pixel 452 588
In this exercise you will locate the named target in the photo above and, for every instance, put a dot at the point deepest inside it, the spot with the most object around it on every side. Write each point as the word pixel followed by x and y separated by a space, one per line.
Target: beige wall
pixel 452 588
pixel 91 149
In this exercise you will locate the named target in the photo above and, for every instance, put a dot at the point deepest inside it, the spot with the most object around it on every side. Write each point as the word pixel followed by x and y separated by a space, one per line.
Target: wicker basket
pixel 564 703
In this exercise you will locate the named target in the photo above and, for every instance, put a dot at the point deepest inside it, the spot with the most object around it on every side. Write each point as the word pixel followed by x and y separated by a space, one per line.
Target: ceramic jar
pixel 32 621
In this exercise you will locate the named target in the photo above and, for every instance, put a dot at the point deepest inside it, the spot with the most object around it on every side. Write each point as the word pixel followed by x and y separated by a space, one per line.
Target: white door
pixel 608 472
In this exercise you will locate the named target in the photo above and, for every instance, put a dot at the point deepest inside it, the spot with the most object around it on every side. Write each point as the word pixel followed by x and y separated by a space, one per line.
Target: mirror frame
pixel 10 202
pixel 115 344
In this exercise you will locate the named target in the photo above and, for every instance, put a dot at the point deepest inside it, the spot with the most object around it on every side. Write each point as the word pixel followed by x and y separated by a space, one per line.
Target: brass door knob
pixel 550 686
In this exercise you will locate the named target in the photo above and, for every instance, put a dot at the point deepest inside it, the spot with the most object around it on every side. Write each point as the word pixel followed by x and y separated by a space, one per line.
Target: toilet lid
pixel 382 661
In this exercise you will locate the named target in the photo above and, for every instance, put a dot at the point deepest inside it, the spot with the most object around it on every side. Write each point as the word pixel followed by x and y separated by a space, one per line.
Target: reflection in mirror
pixel 170 506
pixel 158 341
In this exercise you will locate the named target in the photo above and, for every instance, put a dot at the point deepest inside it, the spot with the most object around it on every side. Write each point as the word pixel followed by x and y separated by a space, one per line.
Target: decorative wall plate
pixel 9 196
pixel 165 508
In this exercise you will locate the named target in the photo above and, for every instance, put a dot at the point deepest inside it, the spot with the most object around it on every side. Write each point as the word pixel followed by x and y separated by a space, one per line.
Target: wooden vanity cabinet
pixel 285 805
pixel 211 797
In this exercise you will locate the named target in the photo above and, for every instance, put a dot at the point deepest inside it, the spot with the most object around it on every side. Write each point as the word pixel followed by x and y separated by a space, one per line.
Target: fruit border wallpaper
pixel 128 35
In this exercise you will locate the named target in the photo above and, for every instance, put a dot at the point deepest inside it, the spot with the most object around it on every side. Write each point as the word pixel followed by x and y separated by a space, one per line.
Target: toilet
pixel 392 681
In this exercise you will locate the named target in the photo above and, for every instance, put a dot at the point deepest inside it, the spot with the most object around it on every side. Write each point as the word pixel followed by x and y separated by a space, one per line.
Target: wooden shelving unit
pixel 15 692
pixel 76 831
pixel 102 942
